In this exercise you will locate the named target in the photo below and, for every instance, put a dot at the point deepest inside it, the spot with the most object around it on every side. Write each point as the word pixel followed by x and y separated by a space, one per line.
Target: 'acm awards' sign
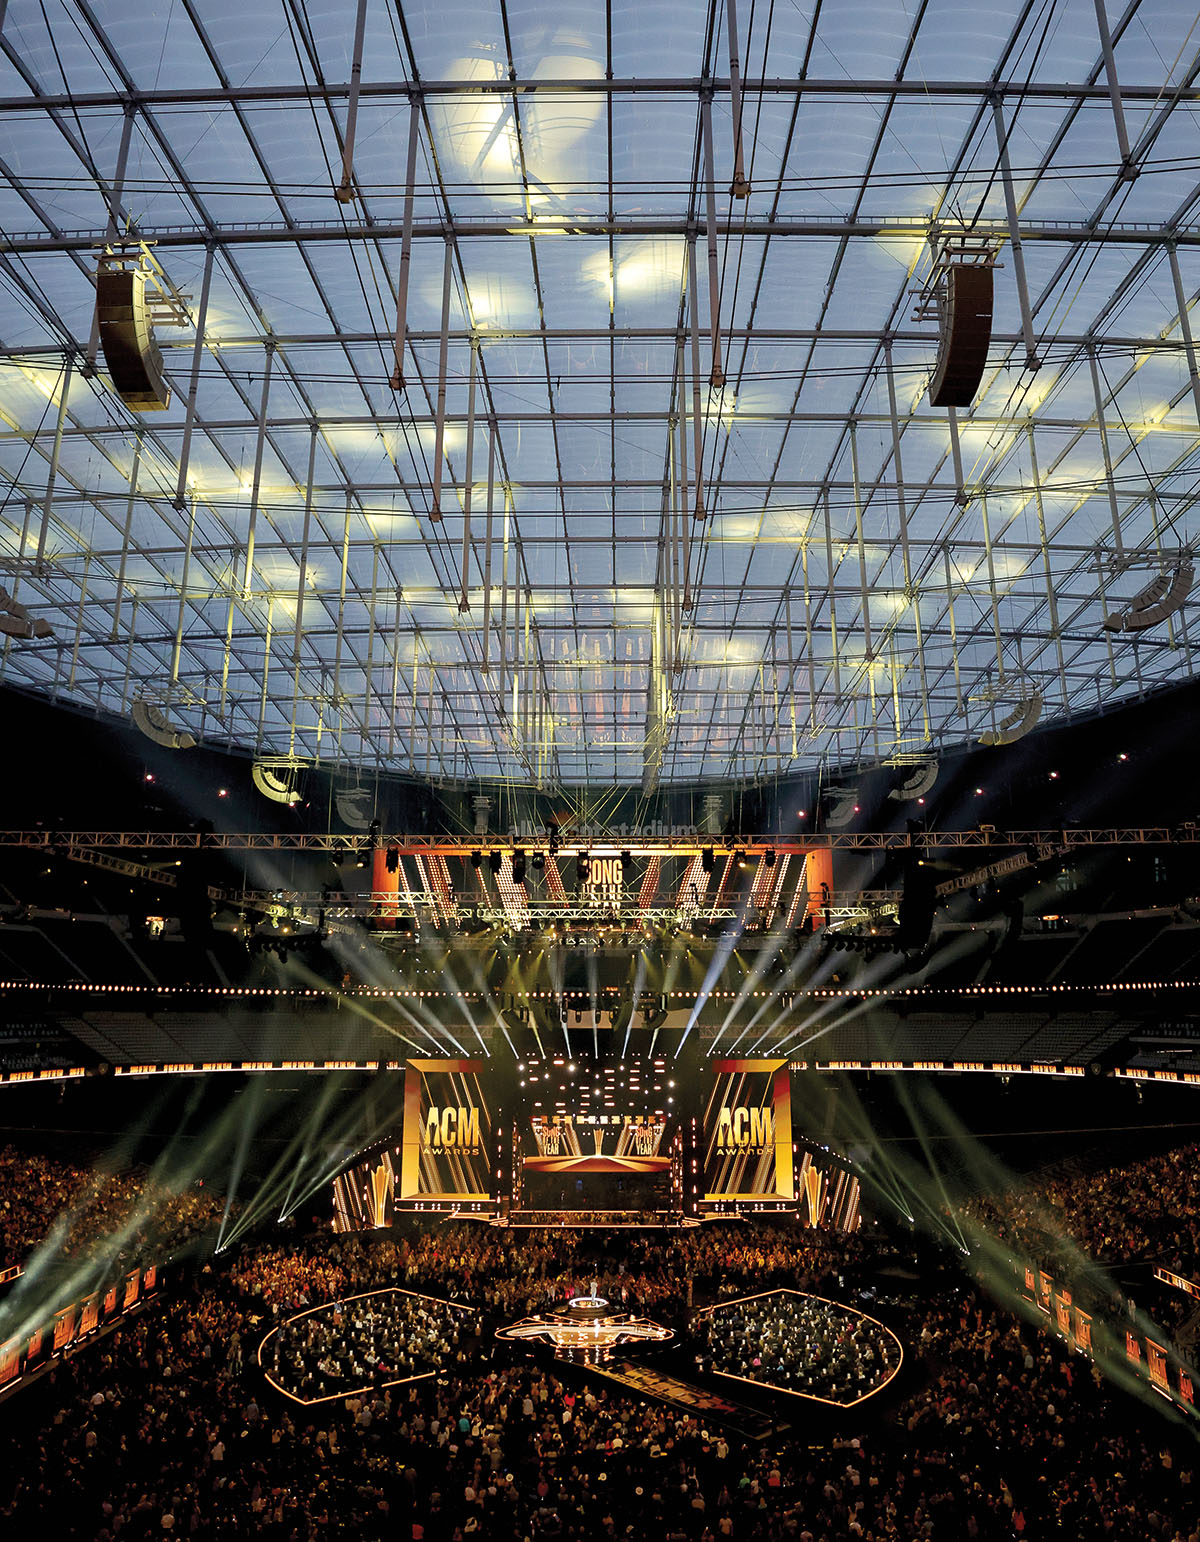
pixel 452 1129
pixel 745 1131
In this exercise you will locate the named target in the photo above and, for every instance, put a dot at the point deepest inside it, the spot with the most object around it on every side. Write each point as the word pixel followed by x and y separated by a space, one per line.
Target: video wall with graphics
pixel 748 1133
pixel 827 1188
pixel 595 1135
pixel 443 1155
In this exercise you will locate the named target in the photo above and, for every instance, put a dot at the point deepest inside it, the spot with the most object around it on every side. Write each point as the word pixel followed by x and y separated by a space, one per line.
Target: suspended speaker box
pixel 132 355
pixel 966 331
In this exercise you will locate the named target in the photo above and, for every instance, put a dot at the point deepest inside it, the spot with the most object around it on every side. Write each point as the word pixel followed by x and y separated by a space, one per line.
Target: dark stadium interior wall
pixel 77 770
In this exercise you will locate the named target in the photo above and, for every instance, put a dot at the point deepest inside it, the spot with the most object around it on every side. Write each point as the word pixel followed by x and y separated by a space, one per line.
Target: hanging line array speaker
pixel 156 725
pixel 1017 724
pixel 133 357
pixel 1162 597
pixel 965 314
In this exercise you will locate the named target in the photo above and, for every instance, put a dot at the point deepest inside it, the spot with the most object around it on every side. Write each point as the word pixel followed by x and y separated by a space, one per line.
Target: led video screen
pixel 592 1131
pixel 748 1132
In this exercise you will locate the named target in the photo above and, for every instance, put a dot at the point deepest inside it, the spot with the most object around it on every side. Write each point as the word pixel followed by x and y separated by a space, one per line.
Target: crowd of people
pixel 801 1344
pixel 387 1336
pixel 71 1211
pixel 501 1271
pixel 994 1428
pixel 164 1429
pixel 1147 1211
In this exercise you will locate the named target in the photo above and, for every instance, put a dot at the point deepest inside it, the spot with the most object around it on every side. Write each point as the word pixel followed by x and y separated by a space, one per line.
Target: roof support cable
pixel 189 422
pixel 1109 480
pixel 184 576
pixel 740 187
pixel 911 594
pixel 439 433
pixel 1047 563
pixel 993 595
pixel 256 484
pixel 464 598
pixel 716 377
pixel 80 616
pixel 1185 327
pixel 266 675
pixel 116 193
pixel 686 599
pixel 697 415
pixel 959 703
pixel 503 663
pixel 487 549
pixel 856 483
pixel 1032 362
pixel 130 503
pixel 39 561
pixel 302 578
pixel 391 732
pixel 344 193
pixel 961 496
pixel 1129 168
pixel 406 235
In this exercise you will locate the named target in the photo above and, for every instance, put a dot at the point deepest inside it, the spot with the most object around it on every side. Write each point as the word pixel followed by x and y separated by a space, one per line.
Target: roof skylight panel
pixel 955 43
pixel 56 46
pixel 253 45
pixel 866 42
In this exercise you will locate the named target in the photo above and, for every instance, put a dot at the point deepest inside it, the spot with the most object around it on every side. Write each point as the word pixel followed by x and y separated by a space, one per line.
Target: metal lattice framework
pixel 550 404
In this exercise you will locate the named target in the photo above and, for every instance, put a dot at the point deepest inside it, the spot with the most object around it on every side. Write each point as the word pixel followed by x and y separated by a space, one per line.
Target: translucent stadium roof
pixel 555 550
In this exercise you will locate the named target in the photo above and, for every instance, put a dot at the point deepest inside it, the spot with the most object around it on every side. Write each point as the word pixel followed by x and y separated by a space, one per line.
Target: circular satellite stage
pixel 585 1330
pixel 584 1308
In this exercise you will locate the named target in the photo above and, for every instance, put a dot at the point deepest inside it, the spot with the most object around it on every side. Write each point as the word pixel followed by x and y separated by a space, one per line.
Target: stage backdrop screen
pixel 595 1133
pixel 447 1138
pixel 748 1132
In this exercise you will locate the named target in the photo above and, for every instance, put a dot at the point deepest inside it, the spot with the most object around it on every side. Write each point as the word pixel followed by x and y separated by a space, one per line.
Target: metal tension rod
pixel 55 455
pixel 256 484
pixel 1129 168
pixel 717 375
pixel 185 452
pixel 1185 327
pixel 344 193
pixel 439 434
pixel 464 598
pixel 115 194
pixel 697 416
pixel 1032 362
pixel 1106 454
pixel 410 193
pixel 740 188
